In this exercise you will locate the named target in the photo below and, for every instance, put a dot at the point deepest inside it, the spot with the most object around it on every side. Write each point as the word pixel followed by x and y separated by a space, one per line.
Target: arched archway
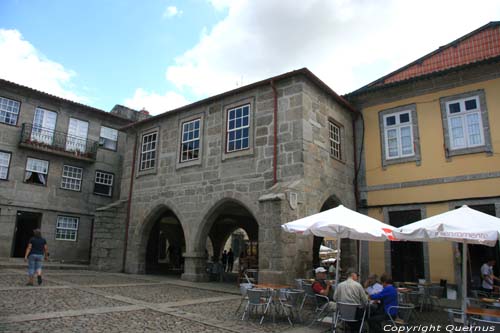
pixel 330 202
pixel 230 221
pixel 162 243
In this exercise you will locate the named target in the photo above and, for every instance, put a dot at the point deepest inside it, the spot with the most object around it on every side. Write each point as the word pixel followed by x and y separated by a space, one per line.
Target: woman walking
pixel 36 251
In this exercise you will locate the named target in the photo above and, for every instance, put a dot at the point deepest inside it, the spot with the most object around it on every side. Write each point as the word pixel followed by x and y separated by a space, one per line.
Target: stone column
pixel 195 267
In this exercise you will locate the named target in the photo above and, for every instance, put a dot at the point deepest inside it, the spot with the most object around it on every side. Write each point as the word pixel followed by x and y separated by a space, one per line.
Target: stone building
pixel 250 158
pixel 59 161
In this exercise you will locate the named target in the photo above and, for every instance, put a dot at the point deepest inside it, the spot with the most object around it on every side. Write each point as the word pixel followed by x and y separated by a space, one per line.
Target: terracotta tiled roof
pixel 480 44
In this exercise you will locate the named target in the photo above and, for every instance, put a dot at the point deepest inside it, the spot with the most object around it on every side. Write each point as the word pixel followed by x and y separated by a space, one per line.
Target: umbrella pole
pixel 464 277
pixel 359 260
pixel 337 262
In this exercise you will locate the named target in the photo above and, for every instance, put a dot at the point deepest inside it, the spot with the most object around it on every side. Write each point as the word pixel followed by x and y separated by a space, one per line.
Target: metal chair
pixel 435 294
pixel 347 313
pixel 404 313
pixel 322 309
pixel 485 324
pixel 309 294
pixel 243 291
pixel 474 302
pixel 258 298
pixel 455 317
pixel 291 304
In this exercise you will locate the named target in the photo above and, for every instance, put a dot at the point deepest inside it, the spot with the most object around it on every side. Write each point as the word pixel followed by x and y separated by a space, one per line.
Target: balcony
pixel 58 143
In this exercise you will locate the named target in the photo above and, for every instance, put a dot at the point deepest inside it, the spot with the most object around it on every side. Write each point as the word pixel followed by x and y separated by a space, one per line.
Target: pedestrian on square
pixel 230 260
pixel 36 252
pixel 487 276
pixel 224 260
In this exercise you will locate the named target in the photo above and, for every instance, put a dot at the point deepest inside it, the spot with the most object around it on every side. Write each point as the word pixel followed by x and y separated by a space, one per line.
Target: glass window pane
pixel 390 120
pixel 471 104
pixel 404 117
pixel 473 128
pixel 454 107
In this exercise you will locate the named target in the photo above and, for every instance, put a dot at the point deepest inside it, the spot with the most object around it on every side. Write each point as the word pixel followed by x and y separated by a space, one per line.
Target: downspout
pixel 129 204
pixel 275 136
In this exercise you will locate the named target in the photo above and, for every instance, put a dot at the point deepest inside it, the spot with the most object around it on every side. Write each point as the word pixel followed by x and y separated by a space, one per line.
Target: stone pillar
pixel 108 237
pixel 195 267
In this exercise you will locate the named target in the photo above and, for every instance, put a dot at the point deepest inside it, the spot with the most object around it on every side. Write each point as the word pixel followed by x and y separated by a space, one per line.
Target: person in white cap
pixel 322 286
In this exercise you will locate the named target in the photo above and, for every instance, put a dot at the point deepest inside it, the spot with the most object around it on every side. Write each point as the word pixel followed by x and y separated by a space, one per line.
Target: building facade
pixel 252 158
pixel 59 161
pixel 431 144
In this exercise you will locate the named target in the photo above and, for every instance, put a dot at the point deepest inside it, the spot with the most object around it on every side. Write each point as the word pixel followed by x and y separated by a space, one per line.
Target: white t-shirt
pixel 374 289
pixel 487 281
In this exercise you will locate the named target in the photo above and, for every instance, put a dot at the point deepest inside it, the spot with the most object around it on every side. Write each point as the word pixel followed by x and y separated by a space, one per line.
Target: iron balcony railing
pixel 60 143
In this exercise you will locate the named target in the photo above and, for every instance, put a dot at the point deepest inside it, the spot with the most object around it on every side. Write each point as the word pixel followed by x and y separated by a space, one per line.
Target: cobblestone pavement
pixel 87 301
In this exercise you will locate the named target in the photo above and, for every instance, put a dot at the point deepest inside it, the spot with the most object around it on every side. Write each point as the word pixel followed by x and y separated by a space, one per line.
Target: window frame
pixel 26 170
pixel 81 178
pixel 462 114
pixel 242 127
pixel 18 111
pixel 484 128
pixel 72 229
pixel 75 147
pixel 340 143
pixel 415 136
pixel 111 186
pixel 142 152
pixel 398 126
pixel 34 136
pixel 198 138
pixel 100 136
pixel 8 165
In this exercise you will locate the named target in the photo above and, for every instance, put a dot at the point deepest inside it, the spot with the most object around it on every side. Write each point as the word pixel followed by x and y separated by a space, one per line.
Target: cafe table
pixel 489 314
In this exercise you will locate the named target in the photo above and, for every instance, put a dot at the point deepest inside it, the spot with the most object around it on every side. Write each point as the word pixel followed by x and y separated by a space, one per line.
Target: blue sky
pixel 160 54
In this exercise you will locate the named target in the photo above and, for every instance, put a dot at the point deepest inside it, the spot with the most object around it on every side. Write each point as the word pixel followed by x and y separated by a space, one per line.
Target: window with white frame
pixel 465 127
pixel 108 138
pixel 77 135
pixel 238 128
pixel 9 111
pixel 71 178
pixel 44 125
pixel 103 183
pixel 67 228
pixel 190 145
pixel 36 171
pixel 148 151
pixel 335 140
pixel 4 164
pixel 398 135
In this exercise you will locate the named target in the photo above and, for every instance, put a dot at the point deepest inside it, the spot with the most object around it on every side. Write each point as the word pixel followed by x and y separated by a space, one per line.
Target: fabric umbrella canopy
pixel 341 222
pixel 323 248
pixel 464 225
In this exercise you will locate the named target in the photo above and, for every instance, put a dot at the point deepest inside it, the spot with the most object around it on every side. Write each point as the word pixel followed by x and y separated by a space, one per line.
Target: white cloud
pixel 155 103
pixel 172 11
pixel 22 63
pixel 347 43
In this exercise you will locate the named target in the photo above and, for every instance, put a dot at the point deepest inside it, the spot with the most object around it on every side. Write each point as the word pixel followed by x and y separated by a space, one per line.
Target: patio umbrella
pixel 464 225
pixel 341 222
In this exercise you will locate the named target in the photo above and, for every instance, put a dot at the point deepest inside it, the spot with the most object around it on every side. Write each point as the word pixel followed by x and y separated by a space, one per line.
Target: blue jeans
pixel 35 264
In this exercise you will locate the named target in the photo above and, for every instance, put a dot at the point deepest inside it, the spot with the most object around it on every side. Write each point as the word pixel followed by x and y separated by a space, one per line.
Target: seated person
pixel 372 286
pixel 351 291
pixel 321 286
pixel 389 297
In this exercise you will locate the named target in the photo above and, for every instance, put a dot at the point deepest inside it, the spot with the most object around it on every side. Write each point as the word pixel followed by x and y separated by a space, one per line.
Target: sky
pixel 162 54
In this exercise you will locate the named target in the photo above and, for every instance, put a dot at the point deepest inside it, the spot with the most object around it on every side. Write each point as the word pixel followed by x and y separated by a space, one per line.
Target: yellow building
pixel 431 143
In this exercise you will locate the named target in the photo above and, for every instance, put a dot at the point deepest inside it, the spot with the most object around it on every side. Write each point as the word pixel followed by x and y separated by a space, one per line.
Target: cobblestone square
pixel 100 302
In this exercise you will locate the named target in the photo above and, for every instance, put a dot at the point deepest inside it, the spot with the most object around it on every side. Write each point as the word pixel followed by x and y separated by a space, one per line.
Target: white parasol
pixel 464 225
pixel 341 222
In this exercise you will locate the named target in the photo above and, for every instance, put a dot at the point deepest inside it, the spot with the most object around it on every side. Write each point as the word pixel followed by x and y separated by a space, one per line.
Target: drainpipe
pixel 129 203
pixel 275 140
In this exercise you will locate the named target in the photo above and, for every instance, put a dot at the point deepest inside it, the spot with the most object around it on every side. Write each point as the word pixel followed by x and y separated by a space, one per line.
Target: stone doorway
pixel 165 246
